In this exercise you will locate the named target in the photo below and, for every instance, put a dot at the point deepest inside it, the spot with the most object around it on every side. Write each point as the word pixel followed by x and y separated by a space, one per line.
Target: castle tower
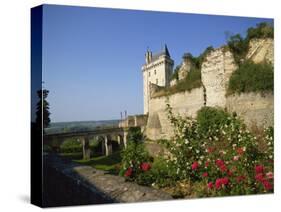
pixel 158 69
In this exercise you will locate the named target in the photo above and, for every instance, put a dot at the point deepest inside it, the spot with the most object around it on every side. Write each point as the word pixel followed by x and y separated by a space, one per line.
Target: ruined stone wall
pixel 216 71
pixel 260 50
pixel 184 103
pixel 254 108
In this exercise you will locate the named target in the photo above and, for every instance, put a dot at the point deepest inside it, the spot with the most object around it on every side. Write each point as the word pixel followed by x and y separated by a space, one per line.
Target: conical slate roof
pixel 165 51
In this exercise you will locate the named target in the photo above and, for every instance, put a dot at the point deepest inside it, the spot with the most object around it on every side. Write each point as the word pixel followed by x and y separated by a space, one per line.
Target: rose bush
pixel 135 158
pixel 217 149
pixel 213 155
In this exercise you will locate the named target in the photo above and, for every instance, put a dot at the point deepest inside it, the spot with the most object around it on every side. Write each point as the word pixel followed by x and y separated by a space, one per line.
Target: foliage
pixel 42 113
pixel 250 77
pixel 239 46
pixel 176 73
pixel 211 119
pixel 134 155
pixel 193 80
pixel 78 126
pixel 224 155
pixel 262 30
pixel 197 61
pixel 71 146
pixel 213 155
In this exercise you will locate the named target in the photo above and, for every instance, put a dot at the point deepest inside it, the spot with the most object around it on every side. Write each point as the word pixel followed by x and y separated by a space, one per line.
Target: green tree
pixel 42 114
pixel 238 47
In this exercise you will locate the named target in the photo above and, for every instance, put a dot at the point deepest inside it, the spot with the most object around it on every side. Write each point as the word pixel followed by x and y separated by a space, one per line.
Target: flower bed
pixel 214 155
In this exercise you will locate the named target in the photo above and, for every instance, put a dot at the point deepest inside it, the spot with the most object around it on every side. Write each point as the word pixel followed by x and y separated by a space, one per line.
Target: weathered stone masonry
pixel 216 70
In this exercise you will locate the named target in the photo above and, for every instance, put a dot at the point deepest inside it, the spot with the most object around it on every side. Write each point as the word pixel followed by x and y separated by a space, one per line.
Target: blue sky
pixel 92 57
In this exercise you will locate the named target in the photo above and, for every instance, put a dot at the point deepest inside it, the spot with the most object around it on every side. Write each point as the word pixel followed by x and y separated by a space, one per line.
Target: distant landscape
pixel 75 126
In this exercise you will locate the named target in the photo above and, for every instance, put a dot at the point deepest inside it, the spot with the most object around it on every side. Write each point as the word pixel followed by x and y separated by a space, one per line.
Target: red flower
pixel 205 174
pixel 145 166
pixel 240 178
pixel 223 168
pixel 195 165
pixel 218 183
pixel 210 185
pixel 219 162
pixel 221 181
pixel 259 177
pixel 267 185
pixel 129 172
pixel 229 173
pixel 224 181
pixel 240 151
pixel 259 169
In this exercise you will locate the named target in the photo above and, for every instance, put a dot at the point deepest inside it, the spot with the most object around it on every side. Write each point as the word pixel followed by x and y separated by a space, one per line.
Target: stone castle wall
pixel 184 103
pixel 255 108
pixel 216 70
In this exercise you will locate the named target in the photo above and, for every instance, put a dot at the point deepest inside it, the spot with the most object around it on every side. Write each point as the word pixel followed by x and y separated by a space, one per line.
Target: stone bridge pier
pixel 107 147
pixel 106 136
pixel 86 147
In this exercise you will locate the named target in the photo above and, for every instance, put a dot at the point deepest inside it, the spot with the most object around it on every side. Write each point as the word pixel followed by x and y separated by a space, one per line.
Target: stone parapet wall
pixel 134 121
pixel 105 188
pixel 253 108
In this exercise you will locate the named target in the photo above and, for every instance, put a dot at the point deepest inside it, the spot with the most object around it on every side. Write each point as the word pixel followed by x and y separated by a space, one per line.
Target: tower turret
pixel 157 70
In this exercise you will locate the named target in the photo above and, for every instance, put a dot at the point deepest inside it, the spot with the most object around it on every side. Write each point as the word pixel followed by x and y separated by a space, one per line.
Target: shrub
pixel 134 157
pixel 211 119
pixel 262 30
pixel 197 61
pixel 176 73
pixel 71 146
pixel 228 162
pixel 193 80
pixel 184 148
pixel 250 77
pixel 239 47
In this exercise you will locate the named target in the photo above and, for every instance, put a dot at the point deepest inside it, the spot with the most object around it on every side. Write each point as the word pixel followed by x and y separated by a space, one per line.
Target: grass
pixel 193 80
pixel 106 163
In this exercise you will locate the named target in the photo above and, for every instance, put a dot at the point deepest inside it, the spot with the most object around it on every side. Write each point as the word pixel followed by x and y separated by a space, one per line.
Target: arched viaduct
pixel 119 133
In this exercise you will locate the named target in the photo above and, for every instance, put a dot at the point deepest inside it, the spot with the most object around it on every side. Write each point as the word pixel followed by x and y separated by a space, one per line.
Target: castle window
pixel 156 81
pixel 149 74
pixel 154 71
